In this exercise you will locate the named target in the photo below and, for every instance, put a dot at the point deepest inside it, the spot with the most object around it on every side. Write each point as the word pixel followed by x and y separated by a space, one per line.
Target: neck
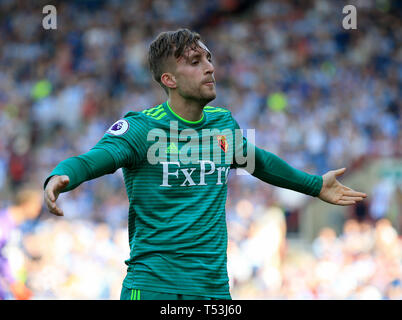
pixel 190 110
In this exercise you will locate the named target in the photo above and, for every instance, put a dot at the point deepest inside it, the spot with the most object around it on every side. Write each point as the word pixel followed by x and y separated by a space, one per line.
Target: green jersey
pixel 176 174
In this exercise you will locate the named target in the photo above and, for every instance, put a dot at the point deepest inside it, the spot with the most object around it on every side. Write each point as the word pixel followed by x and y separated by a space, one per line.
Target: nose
pixel 209 67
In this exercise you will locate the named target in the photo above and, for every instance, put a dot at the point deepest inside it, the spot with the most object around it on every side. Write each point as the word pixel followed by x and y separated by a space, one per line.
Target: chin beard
pixel 201 98
pixel 207 99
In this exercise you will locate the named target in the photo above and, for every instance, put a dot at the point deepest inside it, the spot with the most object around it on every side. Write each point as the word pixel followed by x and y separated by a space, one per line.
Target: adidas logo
pixel 172 148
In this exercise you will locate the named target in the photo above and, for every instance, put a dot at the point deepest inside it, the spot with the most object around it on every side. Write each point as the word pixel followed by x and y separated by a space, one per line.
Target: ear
pixel 169 80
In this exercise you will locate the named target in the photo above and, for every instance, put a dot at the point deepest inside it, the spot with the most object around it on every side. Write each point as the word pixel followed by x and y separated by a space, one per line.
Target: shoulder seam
pixel 156 113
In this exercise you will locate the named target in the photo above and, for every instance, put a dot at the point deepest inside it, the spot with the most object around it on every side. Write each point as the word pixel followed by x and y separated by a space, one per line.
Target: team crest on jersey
pixel 223 142
pixel 119 127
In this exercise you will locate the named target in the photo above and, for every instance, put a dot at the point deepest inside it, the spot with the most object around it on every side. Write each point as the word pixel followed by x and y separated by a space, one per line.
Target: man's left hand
pixel 334 192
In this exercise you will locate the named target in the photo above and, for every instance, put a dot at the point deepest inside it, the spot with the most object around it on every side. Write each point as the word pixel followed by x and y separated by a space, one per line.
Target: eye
pixel 194 62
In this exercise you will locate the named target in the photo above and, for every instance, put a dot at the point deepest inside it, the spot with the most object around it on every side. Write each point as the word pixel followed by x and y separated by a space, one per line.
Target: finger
pixel 56 210
pixel 49 200
pixel 345 202
pixel 65 179
pixel 352 193
pixel 340 171
pixel 59 212
pixel 51 205
pixel 49 194
pixel 63 182
pixel 345 198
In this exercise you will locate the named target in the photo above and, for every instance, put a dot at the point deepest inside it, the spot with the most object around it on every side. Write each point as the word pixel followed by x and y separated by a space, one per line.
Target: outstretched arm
pixel 123 145
pixel 334 192
pixel 273 170
pixel 71 172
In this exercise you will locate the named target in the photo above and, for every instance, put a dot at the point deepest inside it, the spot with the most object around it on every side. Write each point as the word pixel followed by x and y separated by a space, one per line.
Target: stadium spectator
pixel 27 206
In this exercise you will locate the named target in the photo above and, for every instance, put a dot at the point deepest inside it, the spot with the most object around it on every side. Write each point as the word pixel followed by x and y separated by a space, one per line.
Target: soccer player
pixel 177 185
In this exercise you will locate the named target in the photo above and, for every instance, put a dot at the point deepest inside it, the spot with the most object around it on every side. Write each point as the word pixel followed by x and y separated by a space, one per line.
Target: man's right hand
pixel 52 191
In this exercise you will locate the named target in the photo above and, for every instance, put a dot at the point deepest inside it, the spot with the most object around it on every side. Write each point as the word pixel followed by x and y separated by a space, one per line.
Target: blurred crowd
pixel 319 96
pixel 364 262
pixel 80 259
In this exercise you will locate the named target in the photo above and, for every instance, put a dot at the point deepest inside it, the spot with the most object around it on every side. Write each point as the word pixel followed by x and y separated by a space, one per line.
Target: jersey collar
pixel 189 123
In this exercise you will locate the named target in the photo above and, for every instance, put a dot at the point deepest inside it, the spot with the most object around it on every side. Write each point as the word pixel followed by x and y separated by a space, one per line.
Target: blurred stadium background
pixel 319 96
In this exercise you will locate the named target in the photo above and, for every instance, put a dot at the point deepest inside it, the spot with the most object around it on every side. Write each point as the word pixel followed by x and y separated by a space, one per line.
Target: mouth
pixel 209 83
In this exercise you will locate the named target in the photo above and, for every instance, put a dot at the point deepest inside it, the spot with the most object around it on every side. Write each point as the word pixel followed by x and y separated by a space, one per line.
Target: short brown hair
pixel 166 44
